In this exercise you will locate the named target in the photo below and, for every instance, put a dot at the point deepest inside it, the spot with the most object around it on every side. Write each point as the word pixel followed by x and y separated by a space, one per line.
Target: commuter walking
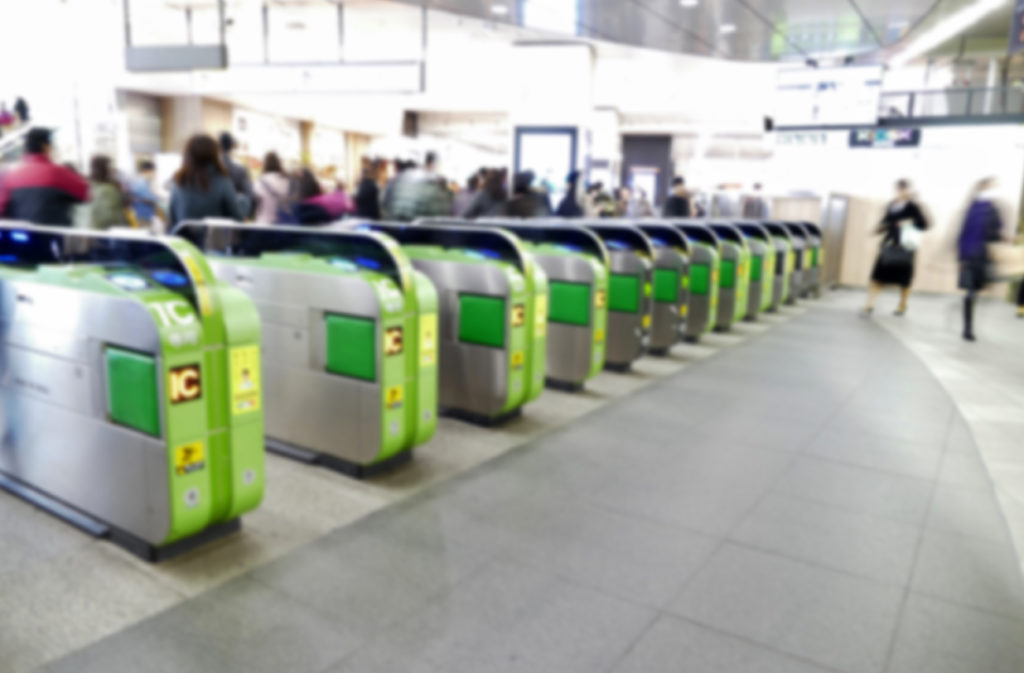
pixel 273 204
pixel 570 207
pixel 144 201
pixel 107 205
pixel 201 187
pixel 239 177
pixel 755 207
pixel 492 199
pixel 982 225
pixel 678 203
pixel 525 202
pixel 420 193
pixel 39 191
pixel 465 197
pixel 21 109
pixel 368 193
pixel 901 229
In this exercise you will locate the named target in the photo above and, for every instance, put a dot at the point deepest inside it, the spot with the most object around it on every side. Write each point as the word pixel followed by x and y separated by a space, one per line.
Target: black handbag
pixel 895 255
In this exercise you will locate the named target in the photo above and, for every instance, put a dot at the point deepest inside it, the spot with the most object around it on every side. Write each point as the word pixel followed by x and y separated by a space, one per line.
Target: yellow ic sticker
pixel 428 340
pixel 684 310
pixel 517 360
pixel 540 316
pixel 518 315
pixel 599 336
pixel 189 458
pixel 394 397
pixel 394 338
pixel 647 321
pixel 245 379
pixel 600 299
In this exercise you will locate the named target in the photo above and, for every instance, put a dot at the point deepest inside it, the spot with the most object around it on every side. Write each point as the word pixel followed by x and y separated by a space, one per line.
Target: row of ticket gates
pixel 142 377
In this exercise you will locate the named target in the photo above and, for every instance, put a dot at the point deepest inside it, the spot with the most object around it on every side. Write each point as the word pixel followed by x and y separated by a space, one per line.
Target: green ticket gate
pixel 705 267
pixel 671 282
pixel 785 263
pixel 630 292
pixel 734 279
pixel 575 262
pixel 802 252
pixel 493 317
pixel 349 340
pixel 131 388
pixel 817 261
pixel 762 267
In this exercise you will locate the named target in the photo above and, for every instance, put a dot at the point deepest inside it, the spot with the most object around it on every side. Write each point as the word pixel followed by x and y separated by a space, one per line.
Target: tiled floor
pixel 810 500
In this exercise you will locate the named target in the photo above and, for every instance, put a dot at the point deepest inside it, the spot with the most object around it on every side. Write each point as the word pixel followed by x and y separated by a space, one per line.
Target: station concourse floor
pixel 809 497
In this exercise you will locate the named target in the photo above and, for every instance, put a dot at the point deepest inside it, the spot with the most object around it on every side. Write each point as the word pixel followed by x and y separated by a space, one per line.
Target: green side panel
pixel 132 390
pixel 757 268
pixel 727 279
pixel 536 331
pixel 666 286
pixel 700 279
pixel 570 303
pixel 351 347
pixel 815 256
pixel 482 320
pixel 600 326
pixel 624 293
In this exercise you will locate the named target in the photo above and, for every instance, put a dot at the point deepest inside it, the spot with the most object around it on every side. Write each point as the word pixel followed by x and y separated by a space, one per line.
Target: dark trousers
pixel 1020 295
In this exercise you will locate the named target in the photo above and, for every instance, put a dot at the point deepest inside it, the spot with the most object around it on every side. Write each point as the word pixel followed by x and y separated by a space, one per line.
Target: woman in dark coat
pixel 895 263
pixel 982 226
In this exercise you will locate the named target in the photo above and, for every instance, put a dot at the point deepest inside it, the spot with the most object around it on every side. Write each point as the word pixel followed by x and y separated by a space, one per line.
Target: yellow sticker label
pixel 599 336
pixel 647 321
pixel 540 315
pixel 394 338
pixel 600 299
pixel 394 397
pixel 517 360
pixel 245 379
pixel 428 340
pixel 202 292
pixel 684 310
pixel 189 458
pixel 518 315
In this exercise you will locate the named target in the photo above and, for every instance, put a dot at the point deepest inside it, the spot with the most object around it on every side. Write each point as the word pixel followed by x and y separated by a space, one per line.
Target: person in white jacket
pixel 272 192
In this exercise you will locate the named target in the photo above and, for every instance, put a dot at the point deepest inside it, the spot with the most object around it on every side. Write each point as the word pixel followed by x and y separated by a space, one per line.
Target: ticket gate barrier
pixel 803 250
pixel 349 340
pixel 734 279
pixel 817 262
pixel 762 267
pixel 493 316
pixel 705 266
pixel 575 262
pixel 785 263
pixel 131 387
pixel 630 292
pixel 671 280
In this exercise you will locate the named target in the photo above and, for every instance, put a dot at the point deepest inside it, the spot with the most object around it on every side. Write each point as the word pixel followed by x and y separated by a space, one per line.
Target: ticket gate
pixel 493 316
pixel 762 267
pixel 631 257
pixel 575 262
pixel 785 263
pixel 349 340
pixel 705 263
pixel 131 388
pixel 671 282
pixel 734 279
pixel 803 248
pixel 817 262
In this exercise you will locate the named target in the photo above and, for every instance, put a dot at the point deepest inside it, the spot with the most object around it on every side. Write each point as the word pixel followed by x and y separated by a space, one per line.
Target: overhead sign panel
pixel 828 96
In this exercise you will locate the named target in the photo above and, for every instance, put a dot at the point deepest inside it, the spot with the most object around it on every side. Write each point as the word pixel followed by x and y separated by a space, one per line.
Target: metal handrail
pixel 971 104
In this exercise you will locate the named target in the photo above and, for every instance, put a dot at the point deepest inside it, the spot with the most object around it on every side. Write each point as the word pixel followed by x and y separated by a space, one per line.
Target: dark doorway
pixel 647 165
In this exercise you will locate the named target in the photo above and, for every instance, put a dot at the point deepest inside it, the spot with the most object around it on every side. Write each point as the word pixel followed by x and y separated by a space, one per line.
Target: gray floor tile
pixel 971 572
pixel 877 452
pixel 510 617
pixel 679 646
pixel 820 615
pixel 868 546
pixel 965 470
pixel 937 637
pixel 968 511
pixel 893 496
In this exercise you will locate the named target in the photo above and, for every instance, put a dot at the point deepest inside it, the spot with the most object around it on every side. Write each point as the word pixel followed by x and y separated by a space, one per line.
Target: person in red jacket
pixel 38 190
